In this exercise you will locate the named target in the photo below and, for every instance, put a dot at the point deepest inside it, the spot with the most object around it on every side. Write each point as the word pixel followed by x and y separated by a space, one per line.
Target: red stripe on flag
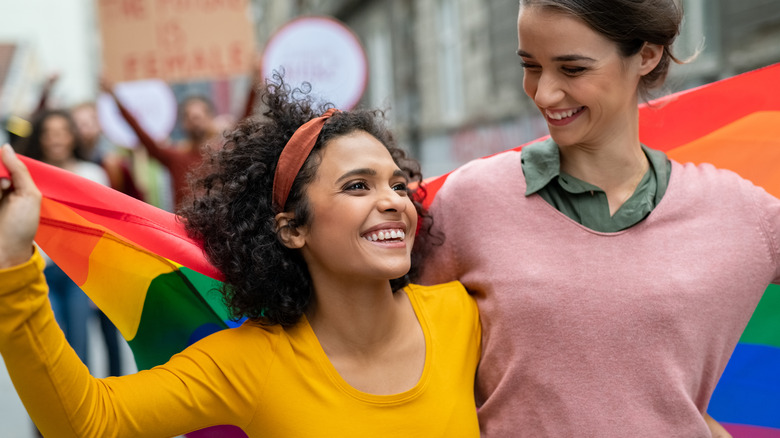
pixel 149 227
pixel 4 172
pixel 685 116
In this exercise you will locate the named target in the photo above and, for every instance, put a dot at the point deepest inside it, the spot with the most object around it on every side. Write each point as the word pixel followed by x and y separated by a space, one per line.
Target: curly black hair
pixel 231 210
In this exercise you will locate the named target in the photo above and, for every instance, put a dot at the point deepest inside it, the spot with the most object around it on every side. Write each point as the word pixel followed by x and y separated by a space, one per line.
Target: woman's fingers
pixel 20 208
pixel 20 176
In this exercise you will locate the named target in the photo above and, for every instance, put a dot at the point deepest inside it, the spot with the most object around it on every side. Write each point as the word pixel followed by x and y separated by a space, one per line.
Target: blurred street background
pixel 445 71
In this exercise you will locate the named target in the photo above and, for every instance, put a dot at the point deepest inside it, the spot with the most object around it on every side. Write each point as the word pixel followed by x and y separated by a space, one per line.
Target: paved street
pixel 13 418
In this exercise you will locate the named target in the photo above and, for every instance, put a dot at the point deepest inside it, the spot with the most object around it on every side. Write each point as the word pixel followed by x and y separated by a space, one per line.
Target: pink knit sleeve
pixel 769 208
pixel 440 264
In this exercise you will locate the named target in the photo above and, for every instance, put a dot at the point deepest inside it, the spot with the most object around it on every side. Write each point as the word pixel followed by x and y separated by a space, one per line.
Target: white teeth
pixel 386 235
pixel 562 115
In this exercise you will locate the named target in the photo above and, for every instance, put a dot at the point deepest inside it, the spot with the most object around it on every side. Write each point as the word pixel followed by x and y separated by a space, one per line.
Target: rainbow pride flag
pixel 153 282
pixel 734 124
pixel 134 261
pixel 137 265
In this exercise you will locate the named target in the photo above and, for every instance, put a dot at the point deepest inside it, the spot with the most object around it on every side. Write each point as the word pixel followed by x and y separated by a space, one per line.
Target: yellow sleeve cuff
pixel 20 276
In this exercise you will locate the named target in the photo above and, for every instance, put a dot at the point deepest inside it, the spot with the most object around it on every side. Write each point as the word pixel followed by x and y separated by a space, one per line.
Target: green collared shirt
pixel 584 202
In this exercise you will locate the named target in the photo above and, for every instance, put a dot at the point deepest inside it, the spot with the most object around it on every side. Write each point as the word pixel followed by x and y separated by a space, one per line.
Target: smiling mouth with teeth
pixel 563 114
pixel 386 235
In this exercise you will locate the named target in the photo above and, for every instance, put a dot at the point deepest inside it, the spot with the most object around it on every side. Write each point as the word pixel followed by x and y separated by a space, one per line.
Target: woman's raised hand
pixel 20 210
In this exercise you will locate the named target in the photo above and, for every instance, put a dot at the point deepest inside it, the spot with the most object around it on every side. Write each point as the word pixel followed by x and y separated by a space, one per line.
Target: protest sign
pixel 175 40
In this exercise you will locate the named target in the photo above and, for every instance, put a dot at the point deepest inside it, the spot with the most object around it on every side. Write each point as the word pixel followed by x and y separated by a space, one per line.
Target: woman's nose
pixel 548 91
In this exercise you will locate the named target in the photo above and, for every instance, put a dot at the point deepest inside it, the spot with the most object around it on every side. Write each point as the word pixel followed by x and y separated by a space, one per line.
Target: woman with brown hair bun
pixel 613 283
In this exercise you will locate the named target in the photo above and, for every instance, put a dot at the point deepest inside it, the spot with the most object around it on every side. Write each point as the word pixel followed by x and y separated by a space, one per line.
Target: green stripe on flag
pixel 174 315
pixel 764 326
pixel 209 289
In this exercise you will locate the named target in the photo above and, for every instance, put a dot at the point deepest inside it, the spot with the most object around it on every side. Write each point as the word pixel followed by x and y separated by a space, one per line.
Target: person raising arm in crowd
pixel 202 129
pixel 196 114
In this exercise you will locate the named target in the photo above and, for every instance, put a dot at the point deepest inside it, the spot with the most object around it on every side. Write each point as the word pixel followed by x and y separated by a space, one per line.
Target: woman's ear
pixel 287 232
pixel 650 56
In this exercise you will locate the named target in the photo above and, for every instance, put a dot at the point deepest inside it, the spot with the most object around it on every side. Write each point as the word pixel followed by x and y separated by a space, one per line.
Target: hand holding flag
pixel 19 211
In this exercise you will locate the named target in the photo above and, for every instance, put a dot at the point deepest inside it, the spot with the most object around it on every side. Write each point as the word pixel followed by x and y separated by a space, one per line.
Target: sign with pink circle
pixel 323 52
pixel 153 104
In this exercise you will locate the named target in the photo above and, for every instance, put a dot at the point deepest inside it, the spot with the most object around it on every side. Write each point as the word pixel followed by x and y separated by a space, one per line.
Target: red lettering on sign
pixel 236 55
pixel 175 65
pixel 198 59
pixel 150 65
pixel 133 9
pixel 204 6
pixel 211 61
pixel 130 67
pixel 124 9
pixel 170 36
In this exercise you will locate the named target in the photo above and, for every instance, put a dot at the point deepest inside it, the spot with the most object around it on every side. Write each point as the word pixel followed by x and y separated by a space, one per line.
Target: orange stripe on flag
pixel 51 236
pixel 749 146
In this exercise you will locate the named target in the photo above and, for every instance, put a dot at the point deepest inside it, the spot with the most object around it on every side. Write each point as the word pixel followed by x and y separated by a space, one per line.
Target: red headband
pixel 294 155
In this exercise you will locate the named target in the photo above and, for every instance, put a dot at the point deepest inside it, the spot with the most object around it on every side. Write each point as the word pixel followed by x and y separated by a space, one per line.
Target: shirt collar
pixel 541 163
pixel 659 164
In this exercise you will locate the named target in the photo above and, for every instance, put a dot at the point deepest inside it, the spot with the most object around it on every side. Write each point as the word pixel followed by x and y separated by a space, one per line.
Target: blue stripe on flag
pixel 749 390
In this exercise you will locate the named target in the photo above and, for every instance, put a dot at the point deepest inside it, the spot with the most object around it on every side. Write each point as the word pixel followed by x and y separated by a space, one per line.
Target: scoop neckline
pixel 325 364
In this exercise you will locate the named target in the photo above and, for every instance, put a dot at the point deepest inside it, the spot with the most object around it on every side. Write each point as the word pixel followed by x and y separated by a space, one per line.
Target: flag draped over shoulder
pixel 138 265
pixel 734 124
pixel 134 261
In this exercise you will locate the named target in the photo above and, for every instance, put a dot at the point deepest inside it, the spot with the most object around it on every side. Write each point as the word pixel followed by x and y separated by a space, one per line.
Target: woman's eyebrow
pixel 357 172
pixel 569 58
pixel 368 172
pixel 562 58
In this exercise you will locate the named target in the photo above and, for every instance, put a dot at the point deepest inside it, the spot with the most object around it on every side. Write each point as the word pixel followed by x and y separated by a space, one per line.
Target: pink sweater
pixel 593 334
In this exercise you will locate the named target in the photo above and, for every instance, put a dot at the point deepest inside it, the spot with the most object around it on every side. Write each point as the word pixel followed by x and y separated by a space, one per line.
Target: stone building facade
pixel 448 74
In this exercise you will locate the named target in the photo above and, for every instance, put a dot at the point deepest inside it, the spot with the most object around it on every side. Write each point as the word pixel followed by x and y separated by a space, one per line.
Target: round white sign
pixel 322 52
pixel 153 104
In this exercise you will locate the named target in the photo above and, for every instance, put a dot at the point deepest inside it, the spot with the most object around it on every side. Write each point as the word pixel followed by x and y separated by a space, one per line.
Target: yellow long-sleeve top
pixel 270 381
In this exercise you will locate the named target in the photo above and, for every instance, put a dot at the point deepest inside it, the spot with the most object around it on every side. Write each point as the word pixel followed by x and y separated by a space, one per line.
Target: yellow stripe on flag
pixel 119 277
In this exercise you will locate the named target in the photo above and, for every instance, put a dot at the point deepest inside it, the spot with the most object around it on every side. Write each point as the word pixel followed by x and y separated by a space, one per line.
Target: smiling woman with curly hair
pixel 233 214
pixel 308 213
